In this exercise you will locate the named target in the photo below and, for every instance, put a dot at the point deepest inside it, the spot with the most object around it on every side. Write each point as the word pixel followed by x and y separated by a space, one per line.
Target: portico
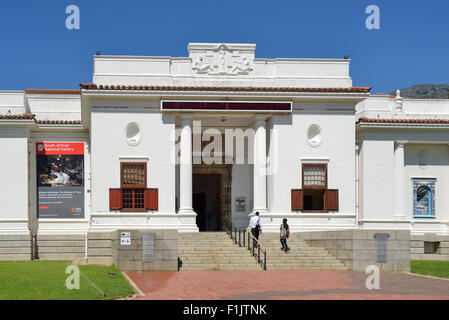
pixel 231 146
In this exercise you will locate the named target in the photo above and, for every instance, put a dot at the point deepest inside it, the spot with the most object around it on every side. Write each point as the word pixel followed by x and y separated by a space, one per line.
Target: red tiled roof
pixel 29 116
pixel 93 86
pixel 24 116
pixel 419 121
pixel 53 91
pixel 59 122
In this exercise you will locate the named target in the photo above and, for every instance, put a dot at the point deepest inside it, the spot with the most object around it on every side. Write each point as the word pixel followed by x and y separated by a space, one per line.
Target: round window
pixel 314 135
pixel 133 134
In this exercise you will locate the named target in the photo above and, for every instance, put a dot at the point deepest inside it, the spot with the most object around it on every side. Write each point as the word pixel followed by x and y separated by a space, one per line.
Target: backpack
pixel 258 225
pixel 284 232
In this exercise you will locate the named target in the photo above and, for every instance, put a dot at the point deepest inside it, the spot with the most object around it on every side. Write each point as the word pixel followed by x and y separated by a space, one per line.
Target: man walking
pixel 255 226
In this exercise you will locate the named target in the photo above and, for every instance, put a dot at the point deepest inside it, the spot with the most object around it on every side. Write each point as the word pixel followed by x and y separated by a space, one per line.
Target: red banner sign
pixel 57 148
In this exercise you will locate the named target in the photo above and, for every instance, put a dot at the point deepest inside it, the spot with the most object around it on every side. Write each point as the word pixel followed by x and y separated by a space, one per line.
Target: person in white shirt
pixel 255 225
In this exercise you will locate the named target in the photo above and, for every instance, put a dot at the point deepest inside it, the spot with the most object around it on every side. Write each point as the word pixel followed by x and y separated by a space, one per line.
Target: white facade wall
pixel 157 149
pixel 437 168
pixel 377 174
pixel 12 101
pixel 379 184
pixel 54 106
pixel 337 150
pixel 14 175
pixel 242 186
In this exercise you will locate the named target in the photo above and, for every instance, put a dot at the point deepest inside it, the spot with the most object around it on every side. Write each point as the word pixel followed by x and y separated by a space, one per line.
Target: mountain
pixel 426 91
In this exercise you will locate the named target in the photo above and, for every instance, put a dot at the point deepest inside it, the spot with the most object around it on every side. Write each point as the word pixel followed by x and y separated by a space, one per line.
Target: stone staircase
pixel 213 251
pixel 300 257
pixel 216 251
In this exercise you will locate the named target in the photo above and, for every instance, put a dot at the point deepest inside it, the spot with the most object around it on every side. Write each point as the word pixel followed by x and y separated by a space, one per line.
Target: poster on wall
pixel 60 179
pixel 424 198
pixel 240 204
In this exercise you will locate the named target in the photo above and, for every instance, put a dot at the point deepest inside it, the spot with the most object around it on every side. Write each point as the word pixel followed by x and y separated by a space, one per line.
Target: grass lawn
pixel 431 268
pixel 46 280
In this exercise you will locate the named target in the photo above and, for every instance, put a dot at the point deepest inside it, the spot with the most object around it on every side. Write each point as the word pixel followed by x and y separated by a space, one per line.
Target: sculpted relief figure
pixel 222 61
pixel 242 66
pixel 201 66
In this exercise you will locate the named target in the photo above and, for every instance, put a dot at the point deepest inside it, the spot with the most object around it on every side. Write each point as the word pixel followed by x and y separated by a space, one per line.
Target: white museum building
pixel 188 143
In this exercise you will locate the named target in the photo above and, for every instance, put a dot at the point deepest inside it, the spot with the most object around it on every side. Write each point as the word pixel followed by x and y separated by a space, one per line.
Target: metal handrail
pixel 257 255
pixel 232 231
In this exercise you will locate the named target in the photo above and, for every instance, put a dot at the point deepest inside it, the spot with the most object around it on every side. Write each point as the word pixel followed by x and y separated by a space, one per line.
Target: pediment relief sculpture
pixel 222 61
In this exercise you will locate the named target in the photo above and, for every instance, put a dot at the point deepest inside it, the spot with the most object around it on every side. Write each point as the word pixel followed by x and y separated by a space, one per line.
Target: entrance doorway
pixel 206 201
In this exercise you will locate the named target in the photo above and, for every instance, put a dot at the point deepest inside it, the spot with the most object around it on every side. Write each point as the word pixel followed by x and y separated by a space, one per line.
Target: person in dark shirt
pixel 285 233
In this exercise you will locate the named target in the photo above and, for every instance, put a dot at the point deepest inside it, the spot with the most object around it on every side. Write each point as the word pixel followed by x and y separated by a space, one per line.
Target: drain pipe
pixel 33 246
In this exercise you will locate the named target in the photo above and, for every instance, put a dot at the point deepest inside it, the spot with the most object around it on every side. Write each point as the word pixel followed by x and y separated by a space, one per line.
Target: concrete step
pixel 220 265
pixel 206 244
pixel 228 256
pixel 286 257
pixel 278 243
pixel 307 268
pixel 301 256
pixel 213 251
pixel 204 235
pixel 225 254
pixel 277 259
pixel 297 251
pixel 214 254
pixel 306 263
pixel 219 268
pixel 213 260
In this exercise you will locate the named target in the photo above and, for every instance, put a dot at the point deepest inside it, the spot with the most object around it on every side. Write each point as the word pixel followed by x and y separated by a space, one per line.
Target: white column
pixel 399 180
pixel 185 166
pixel 260 165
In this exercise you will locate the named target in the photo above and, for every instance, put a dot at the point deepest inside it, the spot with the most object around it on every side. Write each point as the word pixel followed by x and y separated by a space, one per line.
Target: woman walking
pixel 285 233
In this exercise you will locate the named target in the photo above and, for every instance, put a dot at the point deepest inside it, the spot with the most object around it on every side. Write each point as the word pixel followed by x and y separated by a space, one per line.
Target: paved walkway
pixel 274 285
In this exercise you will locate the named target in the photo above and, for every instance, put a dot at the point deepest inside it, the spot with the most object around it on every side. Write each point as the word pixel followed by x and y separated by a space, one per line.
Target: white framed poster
pixel 423 197
pixel 60 180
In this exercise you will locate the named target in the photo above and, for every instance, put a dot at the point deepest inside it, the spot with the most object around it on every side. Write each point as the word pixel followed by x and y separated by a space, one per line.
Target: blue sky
pixel 411 47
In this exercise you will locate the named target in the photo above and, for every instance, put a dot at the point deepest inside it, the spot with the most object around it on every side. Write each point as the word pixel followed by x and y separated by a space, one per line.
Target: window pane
pixel 133 174
pixel 133 198
pixel 139 202
pixel 127 198
pixel 314 176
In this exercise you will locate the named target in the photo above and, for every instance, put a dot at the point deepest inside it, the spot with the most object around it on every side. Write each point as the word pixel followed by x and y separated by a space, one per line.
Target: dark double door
pixel 206 201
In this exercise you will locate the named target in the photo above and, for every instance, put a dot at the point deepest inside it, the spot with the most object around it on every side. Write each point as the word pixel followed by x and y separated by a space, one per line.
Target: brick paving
pixel 285 285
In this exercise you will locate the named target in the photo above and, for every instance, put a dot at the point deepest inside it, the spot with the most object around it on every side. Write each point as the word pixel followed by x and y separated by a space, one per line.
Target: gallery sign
pixel 60 179
pixel 245 106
